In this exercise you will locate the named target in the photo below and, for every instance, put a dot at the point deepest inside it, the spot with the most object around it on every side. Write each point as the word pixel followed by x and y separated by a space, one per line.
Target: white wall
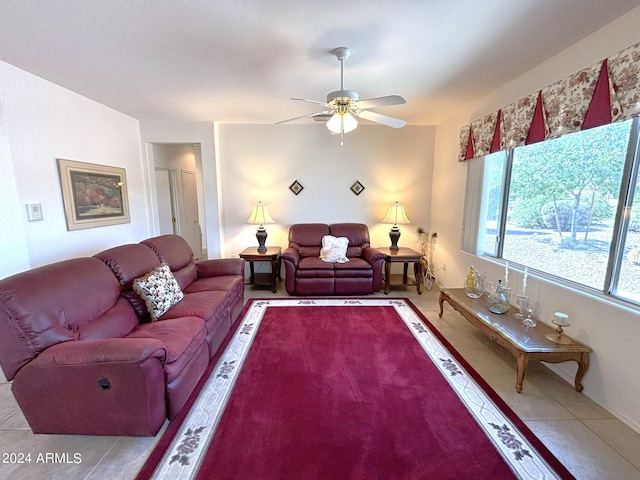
pixel 13 243
pixel 610 329
pixel 260 162
pixel 42 122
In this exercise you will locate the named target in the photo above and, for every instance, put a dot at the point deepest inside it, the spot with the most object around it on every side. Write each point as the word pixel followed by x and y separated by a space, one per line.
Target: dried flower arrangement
pixel 427 242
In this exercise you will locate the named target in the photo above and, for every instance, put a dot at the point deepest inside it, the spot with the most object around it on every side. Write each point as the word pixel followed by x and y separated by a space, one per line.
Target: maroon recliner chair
pixel 307 274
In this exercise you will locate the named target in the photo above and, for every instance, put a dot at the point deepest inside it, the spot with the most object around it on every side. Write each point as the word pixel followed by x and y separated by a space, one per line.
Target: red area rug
pixel 346 389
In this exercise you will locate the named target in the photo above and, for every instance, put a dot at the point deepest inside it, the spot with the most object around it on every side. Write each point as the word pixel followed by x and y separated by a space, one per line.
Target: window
pixel 564 207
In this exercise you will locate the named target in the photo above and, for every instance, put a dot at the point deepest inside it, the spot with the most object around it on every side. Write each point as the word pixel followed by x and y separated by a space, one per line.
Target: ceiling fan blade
pixel 310 101
pixel 383 119
pixel 303 116
pixel 381 101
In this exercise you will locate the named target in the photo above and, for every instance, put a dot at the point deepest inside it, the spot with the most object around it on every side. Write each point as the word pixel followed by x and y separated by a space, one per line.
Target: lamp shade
pixel 260 215
pixel 342 123
pixel 396 215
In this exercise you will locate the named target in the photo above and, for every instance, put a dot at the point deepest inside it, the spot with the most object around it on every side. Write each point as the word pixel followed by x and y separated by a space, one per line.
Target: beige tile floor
pixel 591 442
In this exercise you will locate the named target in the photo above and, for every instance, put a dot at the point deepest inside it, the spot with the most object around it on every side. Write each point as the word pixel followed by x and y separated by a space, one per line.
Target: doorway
pixel 176 181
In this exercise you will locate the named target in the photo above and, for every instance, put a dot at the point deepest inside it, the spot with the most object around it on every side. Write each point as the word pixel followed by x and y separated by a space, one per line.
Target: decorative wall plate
pixel 357 188
pixel 296 187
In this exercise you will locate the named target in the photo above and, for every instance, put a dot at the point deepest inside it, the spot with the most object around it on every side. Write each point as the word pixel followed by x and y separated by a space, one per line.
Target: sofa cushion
pixel 205 305
pixel 181 337
pixel 47 305
pixel 306 238
pixel 159 290
pixel 357 233
pixel 175 252
pixel 354 264
pixel 114 323
pixel 314 263
pixel 225 283
pixel 128 262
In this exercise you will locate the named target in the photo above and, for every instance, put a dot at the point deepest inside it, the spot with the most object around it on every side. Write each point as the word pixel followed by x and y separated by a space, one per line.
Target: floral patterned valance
pixel 606 92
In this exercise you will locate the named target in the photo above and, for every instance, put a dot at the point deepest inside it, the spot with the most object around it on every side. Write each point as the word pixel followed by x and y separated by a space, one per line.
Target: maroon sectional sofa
pixel 83 357
pixel 307 274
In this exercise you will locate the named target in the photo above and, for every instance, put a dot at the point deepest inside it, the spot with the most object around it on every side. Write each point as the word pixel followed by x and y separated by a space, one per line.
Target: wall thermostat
pixel 34 212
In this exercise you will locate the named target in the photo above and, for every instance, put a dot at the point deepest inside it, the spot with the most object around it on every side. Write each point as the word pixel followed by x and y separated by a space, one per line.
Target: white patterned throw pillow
pixel 334 249
pixel 159 289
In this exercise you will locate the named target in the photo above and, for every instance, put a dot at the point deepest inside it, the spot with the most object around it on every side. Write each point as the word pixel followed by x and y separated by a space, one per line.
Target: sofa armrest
pixel 220 266
pixel 291 255
pixel 113 386
pixel 372 255
pixel 110 350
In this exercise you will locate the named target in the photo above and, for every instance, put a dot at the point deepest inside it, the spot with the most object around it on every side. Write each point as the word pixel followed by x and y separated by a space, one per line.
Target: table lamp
pixel 395 216
pixel 260 216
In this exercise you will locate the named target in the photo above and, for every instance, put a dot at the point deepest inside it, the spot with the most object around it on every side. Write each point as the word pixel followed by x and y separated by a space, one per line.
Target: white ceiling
pixel 239 61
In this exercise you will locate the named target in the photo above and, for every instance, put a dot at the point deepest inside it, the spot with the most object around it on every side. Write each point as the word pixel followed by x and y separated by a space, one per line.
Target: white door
pixel 190 227
pixel 166 208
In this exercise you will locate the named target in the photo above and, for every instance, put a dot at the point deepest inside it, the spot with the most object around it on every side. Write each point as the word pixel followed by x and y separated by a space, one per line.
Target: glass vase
pixel 498 302
pixel 478 286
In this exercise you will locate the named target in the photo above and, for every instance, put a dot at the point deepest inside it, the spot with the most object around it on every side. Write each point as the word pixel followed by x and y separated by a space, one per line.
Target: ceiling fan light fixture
pixel 349 122
pixel 342 123
pixel 343 107
pixel 334 124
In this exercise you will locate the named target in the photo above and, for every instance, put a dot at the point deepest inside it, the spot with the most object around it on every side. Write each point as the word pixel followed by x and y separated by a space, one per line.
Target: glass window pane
pixel 629 279
pixel 492 199
pixel 562 203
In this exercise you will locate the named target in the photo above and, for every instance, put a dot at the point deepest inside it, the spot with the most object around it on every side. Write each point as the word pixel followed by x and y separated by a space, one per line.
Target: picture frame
pixel 296 187
pixel 357 187
pixel 93 195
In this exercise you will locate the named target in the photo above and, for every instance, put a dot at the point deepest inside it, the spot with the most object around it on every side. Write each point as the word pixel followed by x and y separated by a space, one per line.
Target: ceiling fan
pixel 344 107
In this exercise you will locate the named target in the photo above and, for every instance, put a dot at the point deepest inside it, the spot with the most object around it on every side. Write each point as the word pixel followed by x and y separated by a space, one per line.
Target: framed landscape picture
pixel 93 195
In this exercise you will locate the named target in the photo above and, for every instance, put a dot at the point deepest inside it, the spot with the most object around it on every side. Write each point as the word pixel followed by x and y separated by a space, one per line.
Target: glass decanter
pixel 498 302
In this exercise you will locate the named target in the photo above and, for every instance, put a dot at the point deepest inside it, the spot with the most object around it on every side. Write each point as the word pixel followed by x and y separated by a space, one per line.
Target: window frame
pixel 477 196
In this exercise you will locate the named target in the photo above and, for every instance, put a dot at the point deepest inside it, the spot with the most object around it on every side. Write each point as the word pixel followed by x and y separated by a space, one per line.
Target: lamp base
pixel 394 235
pixel 261 235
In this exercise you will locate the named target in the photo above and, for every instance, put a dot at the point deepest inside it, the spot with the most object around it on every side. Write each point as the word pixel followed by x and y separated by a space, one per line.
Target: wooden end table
pixel 403 255
pixel 272 255
pixel 525 344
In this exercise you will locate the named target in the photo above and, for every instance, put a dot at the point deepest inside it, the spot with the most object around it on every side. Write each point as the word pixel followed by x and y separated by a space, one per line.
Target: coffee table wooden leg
pixel 583 365
pixel 521 367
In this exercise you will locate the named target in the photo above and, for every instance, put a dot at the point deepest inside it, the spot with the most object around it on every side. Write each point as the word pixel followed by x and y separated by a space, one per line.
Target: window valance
pixel 606 92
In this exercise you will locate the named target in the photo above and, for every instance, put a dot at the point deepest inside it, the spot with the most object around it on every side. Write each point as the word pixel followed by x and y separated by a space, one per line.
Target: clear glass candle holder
pixel 522 302
pixel 531 319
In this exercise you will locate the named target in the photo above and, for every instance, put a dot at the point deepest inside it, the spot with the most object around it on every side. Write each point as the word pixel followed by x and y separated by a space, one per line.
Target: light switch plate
pixel 34 212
